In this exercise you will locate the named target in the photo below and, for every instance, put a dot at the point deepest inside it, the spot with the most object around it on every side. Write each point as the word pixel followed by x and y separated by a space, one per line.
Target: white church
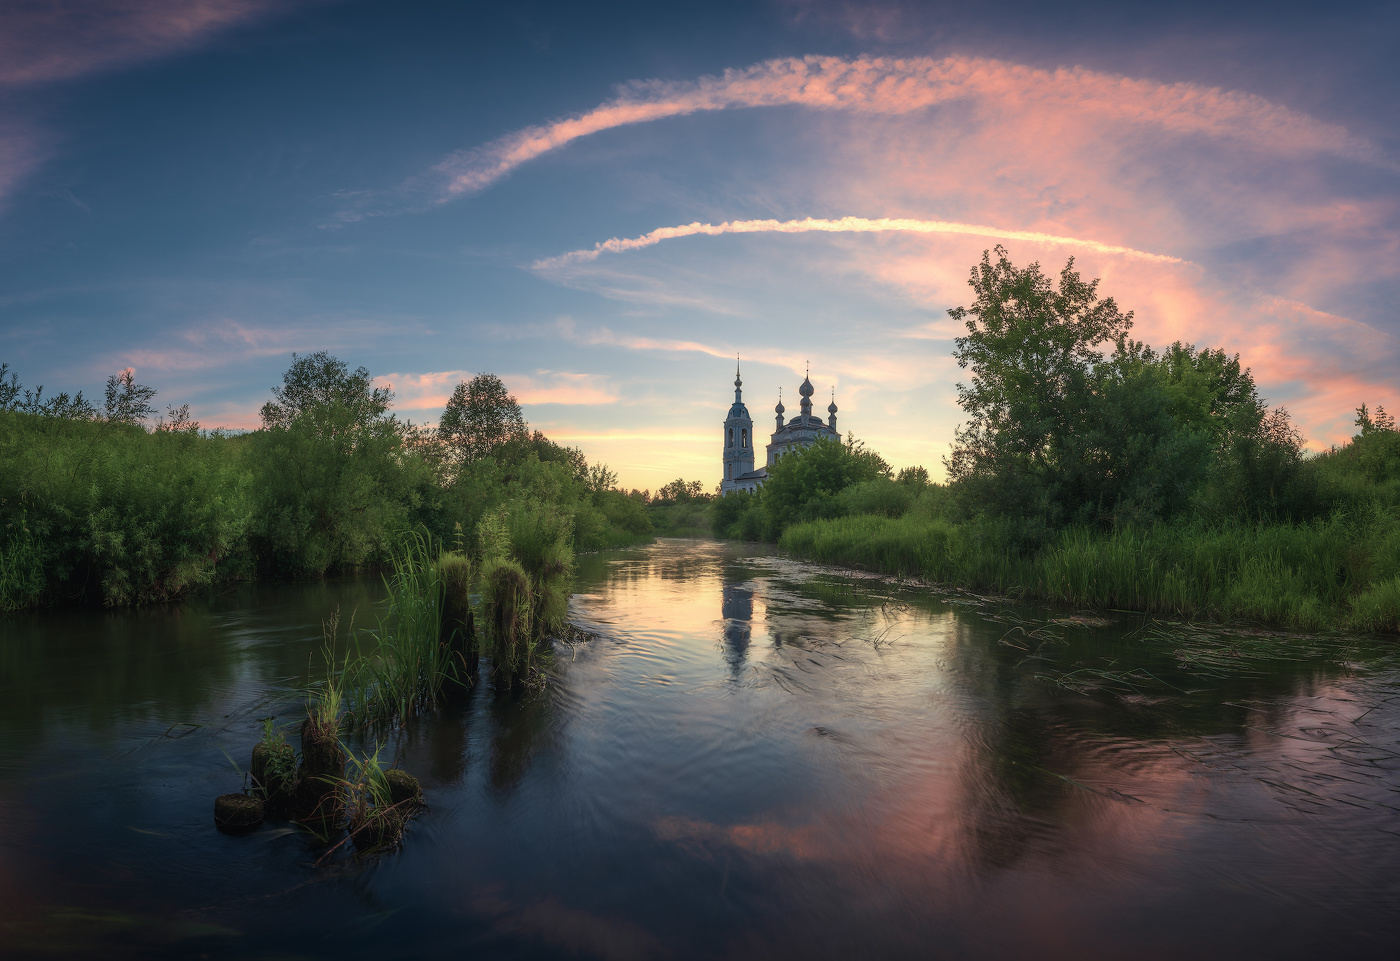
pixel 739 440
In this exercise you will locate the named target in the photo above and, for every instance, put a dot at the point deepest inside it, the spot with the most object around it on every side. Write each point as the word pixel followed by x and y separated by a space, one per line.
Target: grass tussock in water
pixel 400 666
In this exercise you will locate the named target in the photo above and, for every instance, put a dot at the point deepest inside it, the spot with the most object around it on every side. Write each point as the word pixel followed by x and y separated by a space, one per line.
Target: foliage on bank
pixel 1097 471
pixel 98 507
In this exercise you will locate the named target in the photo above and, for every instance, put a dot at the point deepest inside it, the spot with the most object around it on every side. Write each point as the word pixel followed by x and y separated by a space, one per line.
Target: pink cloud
pixel 431 391
pixel 217 344
pixel 46 40
pixel 899 86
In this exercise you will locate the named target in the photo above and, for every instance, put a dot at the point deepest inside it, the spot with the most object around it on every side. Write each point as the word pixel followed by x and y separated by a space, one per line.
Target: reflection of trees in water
pixel 436 743
pixel 169 663
pixel 520 729
pixel 1030 738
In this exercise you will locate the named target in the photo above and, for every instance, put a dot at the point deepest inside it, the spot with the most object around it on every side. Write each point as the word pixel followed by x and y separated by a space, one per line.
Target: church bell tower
pixel 738 440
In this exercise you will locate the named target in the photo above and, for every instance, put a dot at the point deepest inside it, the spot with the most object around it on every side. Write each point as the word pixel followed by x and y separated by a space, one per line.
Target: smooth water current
pixel 753 758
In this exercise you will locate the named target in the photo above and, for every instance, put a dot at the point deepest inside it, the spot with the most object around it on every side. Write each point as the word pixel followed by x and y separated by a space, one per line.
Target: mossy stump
pixel 237 813
pixel 316 799
pixel 381 829
pixel 273 773
pixel 405 793
pixel 321 753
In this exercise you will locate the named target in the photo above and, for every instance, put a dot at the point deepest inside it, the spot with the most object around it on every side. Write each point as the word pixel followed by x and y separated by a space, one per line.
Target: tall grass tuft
pixel 508 596
pixel 457 633
pixel 406 668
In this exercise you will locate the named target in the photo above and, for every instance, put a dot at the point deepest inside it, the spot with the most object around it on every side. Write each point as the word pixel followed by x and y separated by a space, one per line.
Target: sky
pixel 604 203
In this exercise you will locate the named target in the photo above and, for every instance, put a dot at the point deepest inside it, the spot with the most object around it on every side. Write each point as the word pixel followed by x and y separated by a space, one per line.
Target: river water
pixel 752 758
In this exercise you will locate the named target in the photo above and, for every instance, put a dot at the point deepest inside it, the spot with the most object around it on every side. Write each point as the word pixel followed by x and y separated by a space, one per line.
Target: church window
pixel 744 437
pixel 728 471
pixel 730 443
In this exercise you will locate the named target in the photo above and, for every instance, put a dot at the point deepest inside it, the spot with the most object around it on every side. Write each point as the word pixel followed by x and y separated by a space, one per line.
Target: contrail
pixel 843 225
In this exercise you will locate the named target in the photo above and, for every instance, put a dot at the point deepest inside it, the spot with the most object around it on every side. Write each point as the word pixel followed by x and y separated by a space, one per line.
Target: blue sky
pixel 196 190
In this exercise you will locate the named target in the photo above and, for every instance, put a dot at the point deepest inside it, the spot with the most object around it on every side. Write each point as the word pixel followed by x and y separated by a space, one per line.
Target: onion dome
pixel 831 408
pixel 780 408
pixel 806 390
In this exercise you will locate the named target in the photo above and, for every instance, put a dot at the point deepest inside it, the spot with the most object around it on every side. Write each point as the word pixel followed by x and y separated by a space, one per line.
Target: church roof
pixel 812 425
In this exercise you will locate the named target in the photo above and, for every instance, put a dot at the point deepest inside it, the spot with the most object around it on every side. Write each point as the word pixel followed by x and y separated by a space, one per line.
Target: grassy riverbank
pixel 1340 573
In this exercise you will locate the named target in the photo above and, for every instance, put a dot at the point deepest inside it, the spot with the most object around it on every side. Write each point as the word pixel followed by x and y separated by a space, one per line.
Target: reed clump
pixel 376 822
pixel 405 667
pixel 508 595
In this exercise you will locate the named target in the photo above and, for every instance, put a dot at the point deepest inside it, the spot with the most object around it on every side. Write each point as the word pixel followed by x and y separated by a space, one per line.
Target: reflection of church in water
pixel 739 440
pixel 736 607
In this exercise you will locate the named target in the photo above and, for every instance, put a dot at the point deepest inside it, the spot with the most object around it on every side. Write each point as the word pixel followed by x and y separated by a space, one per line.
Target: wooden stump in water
pixel 403 787
pixel 237 813
pixel 316 799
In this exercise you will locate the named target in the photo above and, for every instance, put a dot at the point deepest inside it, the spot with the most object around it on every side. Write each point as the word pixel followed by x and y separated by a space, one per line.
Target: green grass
pixel 1339 573
pixel 404 669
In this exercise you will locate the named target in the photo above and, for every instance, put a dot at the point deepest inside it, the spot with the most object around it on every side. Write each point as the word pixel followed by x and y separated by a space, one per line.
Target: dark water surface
pixel 755 758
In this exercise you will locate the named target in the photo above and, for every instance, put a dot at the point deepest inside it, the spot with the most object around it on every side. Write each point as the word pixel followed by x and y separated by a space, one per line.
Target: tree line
pixel 1096 469
pixel 115 505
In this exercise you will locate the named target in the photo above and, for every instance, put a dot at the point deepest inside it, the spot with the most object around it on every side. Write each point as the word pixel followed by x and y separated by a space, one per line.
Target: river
pixel 750 758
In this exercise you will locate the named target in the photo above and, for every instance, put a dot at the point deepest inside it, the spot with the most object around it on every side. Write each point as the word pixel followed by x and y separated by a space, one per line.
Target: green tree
pixel 680 491
pixel 1033 350
pixel 320 394
pixel 128 402
pixel 805 483
pixel 13 396
pixel 337 474
pixel 481 417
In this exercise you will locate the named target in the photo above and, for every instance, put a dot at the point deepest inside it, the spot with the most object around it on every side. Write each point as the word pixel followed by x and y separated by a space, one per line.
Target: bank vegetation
pixel 110 504
pixel 1097 471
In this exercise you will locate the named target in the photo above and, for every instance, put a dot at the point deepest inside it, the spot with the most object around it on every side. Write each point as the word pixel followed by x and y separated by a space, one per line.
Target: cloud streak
pixel 431 391
pixel 897 86
pixel 841 225
pixel 60 39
